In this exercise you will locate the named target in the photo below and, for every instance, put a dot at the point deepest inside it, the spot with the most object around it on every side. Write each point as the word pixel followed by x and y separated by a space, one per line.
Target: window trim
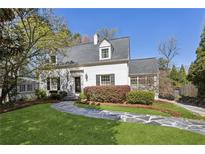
pixel 109 53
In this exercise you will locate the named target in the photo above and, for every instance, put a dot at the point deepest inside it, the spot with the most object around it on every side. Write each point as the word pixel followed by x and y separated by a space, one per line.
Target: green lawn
pixel 184 112
pixel 41 124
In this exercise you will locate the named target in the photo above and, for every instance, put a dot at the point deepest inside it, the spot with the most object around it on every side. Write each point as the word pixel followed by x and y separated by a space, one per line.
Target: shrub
pixel 63 94
pixel 198 101
pixel 140 97
pixel 40 93
pixel 55 96
pixel 82 96
pixel 113 94
pixel 166 96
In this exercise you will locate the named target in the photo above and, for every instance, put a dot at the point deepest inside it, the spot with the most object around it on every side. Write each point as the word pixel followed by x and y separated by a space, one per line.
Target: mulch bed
pixel 23 104
pixel 173 113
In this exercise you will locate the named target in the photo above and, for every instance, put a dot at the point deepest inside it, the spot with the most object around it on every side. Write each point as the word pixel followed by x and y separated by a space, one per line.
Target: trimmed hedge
pixel 140 97
pixel 55 96
pixel 113 94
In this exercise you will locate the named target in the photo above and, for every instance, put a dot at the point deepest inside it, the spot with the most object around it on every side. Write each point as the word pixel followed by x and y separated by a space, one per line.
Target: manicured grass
pixel 41 124
pixel 124 109
pixel 184 112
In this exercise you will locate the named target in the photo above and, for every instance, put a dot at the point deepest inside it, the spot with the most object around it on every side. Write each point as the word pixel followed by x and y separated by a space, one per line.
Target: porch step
pixel 70 98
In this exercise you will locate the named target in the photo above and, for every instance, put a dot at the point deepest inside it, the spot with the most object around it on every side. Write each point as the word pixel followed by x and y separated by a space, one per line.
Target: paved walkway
pixel 191 125
pixel 194 109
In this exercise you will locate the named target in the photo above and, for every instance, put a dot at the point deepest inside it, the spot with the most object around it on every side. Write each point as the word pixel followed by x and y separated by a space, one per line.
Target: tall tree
pixel 166 88
pixel 107 33
pixel 169 49
pixel 174 74
pixel 34 34
pixel 182 75
pixel 197 68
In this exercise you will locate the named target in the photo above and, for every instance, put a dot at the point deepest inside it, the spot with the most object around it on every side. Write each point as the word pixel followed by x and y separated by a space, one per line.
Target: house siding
pixel 120 71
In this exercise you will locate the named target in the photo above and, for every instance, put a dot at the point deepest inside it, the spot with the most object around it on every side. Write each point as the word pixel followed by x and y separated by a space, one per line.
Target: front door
pixel 77 85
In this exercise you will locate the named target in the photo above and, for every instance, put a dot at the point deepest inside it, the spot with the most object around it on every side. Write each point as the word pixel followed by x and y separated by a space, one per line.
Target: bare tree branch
pixel 169 49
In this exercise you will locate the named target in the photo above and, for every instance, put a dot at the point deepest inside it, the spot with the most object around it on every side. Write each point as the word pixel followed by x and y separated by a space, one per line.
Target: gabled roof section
pixel 89 53
pixel 143 66
pixel 104 43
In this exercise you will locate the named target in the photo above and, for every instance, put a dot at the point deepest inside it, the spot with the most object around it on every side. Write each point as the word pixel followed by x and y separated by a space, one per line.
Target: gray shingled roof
pixel 143 66
pixel 89 53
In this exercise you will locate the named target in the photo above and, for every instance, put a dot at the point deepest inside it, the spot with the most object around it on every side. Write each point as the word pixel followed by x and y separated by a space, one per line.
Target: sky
pixel 146 28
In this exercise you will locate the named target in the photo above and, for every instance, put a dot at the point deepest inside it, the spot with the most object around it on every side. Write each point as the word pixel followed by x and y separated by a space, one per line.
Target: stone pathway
pixel 191 125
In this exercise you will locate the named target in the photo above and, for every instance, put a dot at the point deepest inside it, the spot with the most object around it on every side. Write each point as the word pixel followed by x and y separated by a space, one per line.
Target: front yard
pixel 41 124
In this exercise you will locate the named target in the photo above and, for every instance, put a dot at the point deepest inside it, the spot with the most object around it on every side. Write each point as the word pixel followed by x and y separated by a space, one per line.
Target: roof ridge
pixel 143 58
pixel 92 41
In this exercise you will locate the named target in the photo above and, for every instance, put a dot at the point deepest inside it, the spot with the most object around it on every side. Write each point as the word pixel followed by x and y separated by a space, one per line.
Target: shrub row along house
pixel 100 63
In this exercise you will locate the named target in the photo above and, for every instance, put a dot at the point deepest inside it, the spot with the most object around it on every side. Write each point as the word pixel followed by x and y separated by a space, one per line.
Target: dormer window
pixel 105 50
pixel 53 59
pixel 105 53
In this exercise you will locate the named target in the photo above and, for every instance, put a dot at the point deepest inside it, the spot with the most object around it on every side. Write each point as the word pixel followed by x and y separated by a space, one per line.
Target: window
pixel 53 59
pixel 150 80
pixel 29 87
pixel 105 80
pixel 22 88
pixel 134 81
pixel 142 80
pixel 54 83
pixel 105 53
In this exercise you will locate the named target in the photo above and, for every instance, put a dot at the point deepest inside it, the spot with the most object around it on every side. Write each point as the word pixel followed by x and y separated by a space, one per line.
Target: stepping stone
pixel 134 120
pixel 145 118
pixel 156 118
pixel 153 123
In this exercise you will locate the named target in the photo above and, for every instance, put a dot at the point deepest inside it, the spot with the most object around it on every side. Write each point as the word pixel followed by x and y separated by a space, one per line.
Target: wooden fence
pixel 188 90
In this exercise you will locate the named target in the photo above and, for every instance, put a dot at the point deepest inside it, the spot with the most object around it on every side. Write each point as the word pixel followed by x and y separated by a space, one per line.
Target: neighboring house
pixel 26 88
pixel 100 63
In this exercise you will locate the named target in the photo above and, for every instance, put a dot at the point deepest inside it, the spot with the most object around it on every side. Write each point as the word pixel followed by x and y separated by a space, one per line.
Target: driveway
pixel 190 125
pixel 194 109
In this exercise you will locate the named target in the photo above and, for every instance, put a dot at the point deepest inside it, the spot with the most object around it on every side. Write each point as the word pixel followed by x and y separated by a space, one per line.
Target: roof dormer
pixel 105 50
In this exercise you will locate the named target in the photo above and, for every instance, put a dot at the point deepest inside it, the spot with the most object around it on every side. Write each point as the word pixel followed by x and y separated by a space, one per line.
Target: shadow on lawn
pixel 41 124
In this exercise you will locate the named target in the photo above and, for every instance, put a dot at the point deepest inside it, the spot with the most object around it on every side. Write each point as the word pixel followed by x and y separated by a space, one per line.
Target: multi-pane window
pixel 104 53
pixel 134 81
pixel 53 59
pixel 29 87
pixel 22 88
pixel 142 80
pixel 105 80
pixel 150 80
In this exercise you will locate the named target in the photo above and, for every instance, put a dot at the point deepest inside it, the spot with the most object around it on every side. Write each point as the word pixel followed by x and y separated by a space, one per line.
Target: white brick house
pixel 100 63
